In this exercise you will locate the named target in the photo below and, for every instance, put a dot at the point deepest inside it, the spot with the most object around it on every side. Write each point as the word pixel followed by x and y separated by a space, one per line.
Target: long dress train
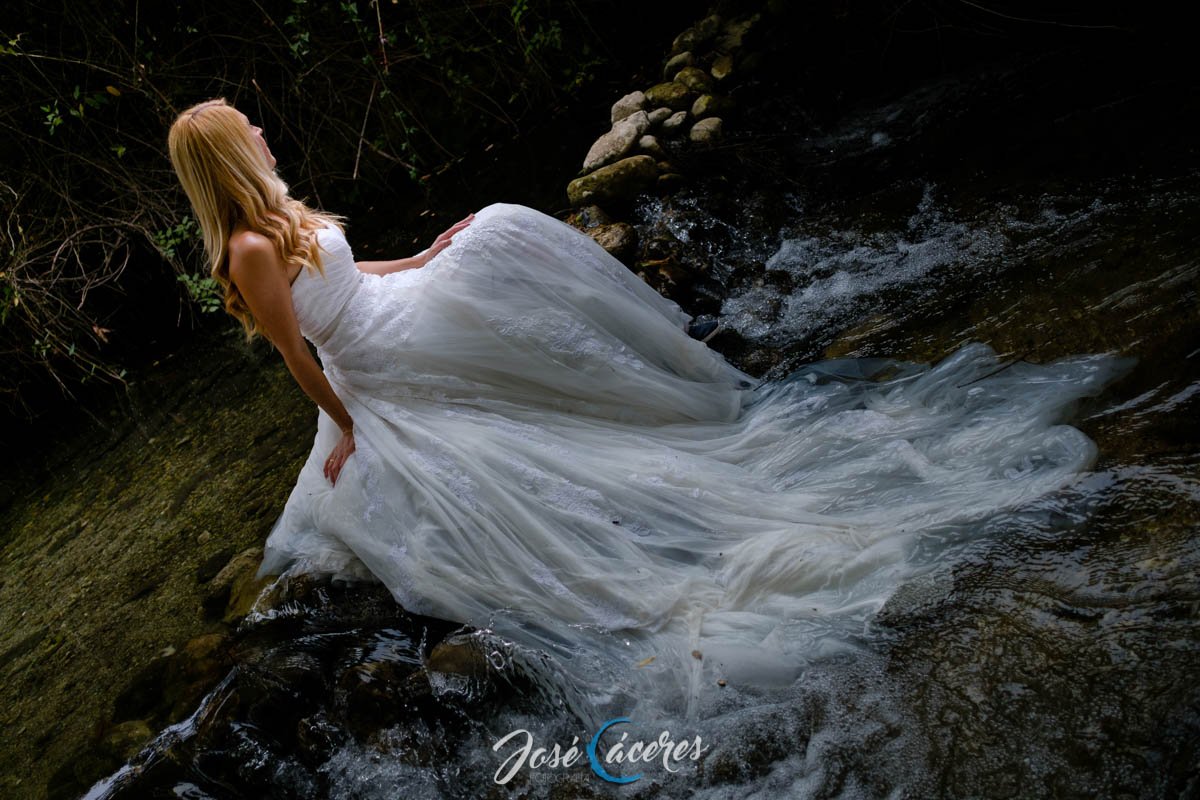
pixel 543 450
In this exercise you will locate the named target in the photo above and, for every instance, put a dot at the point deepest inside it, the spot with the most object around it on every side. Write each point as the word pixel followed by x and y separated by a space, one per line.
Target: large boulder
pixel 615 183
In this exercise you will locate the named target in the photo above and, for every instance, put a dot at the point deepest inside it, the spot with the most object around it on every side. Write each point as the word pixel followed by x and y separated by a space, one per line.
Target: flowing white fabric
pixel 542 449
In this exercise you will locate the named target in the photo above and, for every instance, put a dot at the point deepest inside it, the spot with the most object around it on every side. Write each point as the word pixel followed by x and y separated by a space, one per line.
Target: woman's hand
pixel 341 451
pixel 443 239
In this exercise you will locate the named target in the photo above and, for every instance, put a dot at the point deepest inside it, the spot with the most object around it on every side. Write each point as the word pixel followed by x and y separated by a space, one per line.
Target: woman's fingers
pixel 453 229
pixel 337 459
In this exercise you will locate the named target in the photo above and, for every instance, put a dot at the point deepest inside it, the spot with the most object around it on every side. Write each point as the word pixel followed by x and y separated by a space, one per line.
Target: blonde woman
pixel 516 431
pixel 249 222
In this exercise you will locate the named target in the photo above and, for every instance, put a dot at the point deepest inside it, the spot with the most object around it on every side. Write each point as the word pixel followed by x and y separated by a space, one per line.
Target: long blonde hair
pixel 228 180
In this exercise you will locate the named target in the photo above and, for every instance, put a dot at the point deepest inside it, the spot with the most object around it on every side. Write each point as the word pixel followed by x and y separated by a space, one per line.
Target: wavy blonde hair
pixel 228 181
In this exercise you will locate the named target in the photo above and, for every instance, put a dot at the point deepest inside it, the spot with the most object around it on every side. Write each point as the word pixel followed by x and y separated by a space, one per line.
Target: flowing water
pixel 1048 650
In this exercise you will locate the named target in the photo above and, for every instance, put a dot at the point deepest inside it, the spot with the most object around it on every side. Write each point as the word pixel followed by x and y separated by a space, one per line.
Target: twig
pixel 363 131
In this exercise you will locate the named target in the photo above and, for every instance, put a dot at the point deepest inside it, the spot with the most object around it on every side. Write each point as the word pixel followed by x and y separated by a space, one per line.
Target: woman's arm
pixel 420 259
pixel 385 267
pixel 257 270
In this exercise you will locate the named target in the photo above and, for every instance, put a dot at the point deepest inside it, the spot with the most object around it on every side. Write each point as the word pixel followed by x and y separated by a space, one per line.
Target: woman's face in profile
pixel 262 143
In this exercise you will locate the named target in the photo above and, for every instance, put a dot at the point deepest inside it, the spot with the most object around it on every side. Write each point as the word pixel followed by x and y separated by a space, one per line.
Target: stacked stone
pixel 687 106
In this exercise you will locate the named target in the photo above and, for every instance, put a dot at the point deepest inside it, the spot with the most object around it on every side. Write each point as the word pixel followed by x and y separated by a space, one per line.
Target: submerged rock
pixel 618 238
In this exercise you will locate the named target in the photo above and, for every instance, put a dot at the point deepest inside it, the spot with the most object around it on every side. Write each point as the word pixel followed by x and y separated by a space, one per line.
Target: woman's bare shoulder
pixel 246 242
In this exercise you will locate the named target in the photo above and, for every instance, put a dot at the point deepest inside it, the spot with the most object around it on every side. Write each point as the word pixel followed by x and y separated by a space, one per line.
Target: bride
pixel 516 432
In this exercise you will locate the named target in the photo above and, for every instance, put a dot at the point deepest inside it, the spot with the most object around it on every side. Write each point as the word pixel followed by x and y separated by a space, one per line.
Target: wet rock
pixel 588 217
pixel 650 146
pixel 318 738
pixel 459 654
pixel 634 101
pixel 759 360
pixel 205 657
pixel 711 105
pixel 615 183
pixel 618 238
pixel 662 245
pixel 676 63
pixel 695 79
pixel 671 94
pixel 667 273
pixel 675 123
pixel 658 116
pixel 231 594
pixel 377 694
pixel 125 739
pixel 193 671
pixel 706 131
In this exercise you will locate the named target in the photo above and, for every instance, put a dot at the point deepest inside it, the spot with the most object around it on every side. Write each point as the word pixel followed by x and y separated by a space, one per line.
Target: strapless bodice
pixel 319 301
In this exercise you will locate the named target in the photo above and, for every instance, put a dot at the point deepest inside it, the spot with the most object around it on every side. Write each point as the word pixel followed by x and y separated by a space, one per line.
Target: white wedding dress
pixel 543 450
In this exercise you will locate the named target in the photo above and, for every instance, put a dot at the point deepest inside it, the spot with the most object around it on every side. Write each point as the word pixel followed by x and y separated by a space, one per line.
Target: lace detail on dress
pixel 402 588
pixel 369 466
pixel 564 334
pixel 542 574
pixel 559 492
pixel 436 461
